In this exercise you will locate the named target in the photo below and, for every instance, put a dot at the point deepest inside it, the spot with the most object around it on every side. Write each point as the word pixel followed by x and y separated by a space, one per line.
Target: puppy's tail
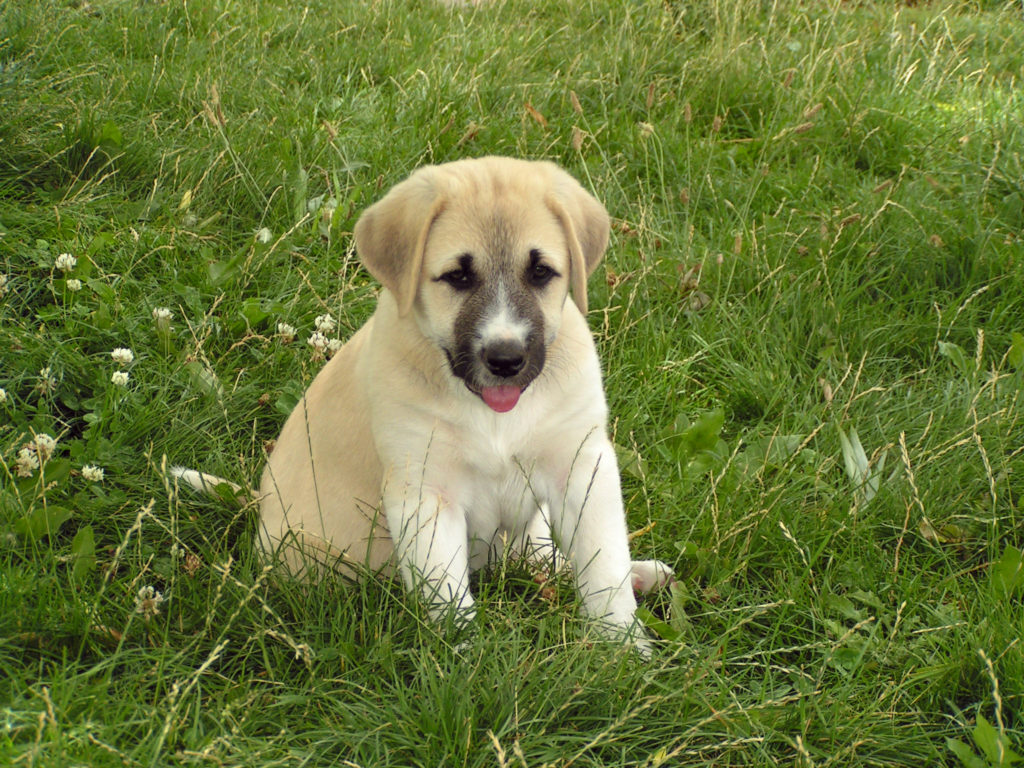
pixel 211 485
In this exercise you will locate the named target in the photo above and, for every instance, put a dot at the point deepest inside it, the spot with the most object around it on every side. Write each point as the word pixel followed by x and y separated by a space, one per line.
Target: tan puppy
pixel 468 413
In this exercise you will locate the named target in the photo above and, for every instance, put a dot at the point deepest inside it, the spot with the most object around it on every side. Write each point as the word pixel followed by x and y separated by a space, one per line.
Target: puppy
pixel 467 414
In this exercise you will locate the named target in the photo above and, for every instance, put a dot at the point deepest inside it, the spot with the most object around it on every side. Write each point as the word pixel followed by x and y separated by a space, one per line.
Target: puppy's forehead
pixel 488 182
pixel 502 227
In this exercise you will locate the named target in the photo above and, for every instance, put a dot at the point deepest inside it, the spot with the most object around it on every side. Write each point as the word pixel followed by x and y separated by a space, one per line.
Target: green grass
pixel 818 214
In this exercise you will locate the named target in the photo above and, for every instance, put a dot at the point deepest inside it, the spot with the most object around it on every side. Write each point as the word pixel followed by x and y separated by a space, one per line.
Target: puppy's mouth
pixel 501 399
pixel 500 394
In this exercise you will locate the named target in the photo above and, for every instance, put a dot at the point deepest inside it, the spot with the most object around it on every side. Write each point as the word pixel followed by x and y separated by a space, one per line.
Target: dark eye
pixel 539 274
pixel 460 279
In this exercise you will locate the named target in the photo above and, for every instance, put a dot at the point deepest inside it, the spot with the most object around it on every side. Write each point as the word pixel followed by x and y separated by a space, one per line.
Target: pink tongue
pixel 501 399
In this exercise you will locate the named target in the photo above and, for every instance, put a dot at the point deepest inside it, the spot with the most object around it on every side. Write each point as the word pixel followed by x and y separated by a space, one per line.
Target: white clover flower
pixel 286 332
pixel 147 602
pixel 162 318
pixel 264 235
pixel 333 346
pixel 3 395
pixel 92 473
pixel 26 463
pixel 3 284
pixel 74 284
pixel 65 262
pixel 123 356
pixel 44 446
pixel 119 378
pixel 325 323
pixel 317 341
pixel 47 383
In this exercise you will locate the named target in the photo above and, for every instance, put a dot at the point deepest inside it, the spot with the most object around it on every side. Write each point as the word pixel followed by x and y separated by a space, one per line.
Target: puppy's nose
pixel 504 358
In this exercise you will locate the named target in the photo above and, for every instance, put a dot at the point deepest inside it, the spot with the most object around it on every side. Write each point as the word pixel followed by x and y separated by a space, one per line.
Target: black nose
pixel 504 358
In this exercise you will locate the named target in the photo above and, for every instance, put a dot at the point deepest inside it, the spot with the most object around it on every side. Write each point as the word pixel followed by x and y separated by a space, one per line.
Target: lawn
pixel 811 318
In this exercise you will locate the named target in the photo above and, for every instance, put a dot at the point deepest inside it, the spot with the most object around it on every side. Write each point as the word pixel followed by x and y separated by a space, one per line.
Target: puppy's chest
pixel 501 485
pixel 502 500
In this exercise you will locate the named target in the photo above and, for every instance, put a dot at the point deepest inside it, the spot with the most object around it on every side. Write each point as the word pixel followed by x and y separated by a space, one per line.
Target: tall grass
pixel 810 318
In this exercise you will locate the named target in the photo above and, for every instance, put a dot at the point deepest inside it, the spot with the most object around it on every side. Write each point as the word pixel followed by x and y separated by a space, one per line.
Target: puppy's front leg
pixel 589 526
pixel 431 544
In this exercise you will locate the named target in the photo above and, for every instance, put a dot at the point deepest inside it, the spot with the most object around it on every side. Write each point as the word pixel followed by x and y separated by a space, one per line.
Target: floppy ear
pixel 586 226
pixel 391 235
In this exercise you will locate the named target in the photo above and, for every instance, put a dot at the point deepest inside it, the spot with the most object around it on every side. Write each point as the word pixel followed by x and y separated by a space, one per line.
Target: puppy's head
pixel 483 254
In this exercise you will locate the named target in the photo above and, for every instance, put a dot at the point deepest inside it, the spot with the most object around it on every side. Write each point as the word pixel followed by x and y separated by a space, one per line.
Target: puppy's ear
pixel 586 226
pixel 391 235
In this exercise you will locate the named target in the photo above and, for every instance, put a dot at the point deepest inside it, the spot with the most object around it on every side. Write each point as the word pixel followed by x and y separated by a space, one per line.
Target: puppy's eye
pixel 540 275
pixel 460 279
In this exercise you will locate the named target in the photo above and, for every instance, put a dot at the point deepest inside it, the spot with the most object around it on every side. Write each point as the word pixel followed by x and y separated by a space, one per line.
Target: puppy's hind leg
pixel 648 575
pixel 208 484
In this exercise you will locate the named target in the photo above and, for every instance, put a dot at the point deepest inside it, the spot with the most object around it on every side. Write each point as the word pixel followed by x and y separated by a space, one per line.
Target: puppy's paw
pixel 647 575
